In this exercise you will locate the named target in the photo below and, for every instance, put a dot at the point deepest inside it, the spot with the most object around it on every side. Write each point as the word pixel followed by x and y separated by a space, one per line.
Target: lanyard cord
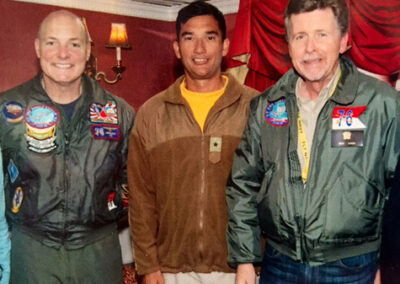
pixel 303 139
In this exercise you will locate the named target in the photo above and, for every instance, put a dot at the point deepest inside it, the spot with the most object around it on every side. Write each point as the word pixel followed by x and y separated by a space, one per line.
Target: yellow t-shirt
pixel 201 103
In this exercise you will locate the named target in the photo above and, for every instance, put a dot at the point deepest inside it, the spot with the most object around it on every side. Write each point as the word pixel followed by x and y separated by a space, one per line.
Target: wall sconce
pixel 118 40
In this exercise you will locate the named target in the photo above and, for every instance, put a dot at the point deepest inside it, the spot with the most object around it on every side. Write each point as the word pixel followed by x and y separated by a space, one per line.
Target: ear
pixel 37 47
pixel 177 50
pixel 88 50
pixel 225 47
pixel 343 43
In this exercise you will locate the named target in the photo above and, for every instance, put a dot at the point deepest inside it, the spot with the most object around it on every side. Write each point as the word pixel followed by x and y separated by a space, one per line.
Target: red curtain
pixel 260 32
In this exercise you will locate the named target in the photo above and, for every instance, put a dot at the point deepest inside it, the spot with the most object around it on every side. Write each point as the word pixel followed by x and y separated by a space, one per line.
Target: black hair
pixel 200 8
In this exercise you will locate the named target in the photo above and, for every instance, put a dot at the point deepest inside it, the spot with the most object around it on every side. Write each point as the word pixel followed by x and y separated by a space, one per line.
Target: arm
pixel 245 274
pixel 5 244
pixel 126 128
pixel 153 278
pixel 243 232
pixel 142 201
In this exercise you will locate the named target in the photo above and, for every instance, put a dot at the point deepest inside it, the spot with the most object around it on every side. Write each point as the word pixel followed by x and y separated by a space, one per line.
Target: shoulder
pixel 21 91
pixel 234 86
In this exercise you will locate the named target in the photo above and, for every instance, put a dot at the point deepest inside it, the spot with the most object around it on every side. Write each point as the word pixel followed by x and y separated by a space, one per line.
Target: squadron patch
pixel 347 128
pixel 104 114
pixel 104 131
pixel 110 201
pixel 12 171
pixel 41 122
pixel 276 113
pixel 17 200
pixel 13 112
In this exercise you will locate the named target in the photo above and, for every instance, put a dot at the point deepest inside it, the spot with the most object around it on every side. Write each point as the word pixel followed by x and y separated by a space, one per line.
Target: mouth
pixel 200 60
pixel 310 61
pixel 63 65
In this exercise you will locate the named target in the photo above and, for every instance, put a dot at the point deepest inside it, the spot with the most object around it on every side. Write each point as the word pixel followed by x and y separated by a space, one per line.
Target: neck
pixel 205 86
pixel 62 94
pixel 311 90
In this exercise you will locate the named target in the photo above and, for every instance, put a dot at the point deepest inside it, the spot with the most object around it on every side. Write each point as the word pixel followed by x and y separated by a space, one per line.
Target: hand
pixel 245 274
pixel 378 277
pixel 153 278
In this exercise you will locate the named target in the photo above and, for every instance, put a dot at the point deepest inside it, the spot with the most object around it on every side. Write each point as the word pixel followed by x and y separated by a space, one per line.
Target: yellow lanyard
pixel 303 147
pixel 303 139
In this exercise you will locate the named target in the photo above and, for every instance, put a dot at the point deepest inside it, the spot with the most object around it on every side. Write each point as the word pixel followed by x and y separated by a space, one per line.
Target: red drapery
pixel 259 32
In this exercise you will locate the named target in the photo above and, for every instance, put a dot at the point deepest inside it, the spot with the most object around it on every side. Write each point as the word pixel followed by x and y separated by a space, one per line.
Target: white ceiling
pixel 165 10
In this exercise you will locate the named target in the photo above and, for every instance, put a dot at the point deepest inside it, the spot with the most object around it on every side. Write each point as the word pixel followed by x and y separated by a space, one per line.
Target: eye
pixel 50 43
pixel 211 37
pixel 299 37
pixel 76 44
pixel 322 35
pixel 187 37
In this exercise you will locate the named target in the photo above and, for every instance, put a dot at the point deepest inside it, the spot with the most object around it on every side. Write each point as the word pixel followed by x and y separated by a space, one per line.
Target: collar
pixel 344 94
pixel 232 93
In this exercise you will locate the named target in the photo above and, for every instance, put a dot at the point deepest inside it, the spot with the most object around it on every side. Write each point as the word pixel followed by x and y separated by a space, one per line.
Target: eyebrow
pixel 191 33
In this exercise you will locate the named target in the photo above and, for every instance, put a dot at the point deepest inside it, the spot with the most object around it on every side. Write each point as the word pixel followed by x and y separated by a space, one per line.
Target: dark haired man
pixel 64 142
pixel 316 161
pixel 180 155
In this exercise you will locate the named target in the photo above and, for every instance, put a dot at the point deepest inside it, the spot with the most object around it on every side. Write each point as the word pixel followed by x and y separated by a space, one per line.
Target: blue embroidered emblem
pixel 276 113
pixel 12 171
pixel 13 112
pixel 105 131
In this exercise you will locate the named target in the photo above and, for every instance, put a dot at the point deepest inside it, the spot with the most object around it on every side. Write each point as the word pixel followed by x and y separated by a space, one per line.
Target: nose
pixel 199 46
pixel 63 52
pixel 310 45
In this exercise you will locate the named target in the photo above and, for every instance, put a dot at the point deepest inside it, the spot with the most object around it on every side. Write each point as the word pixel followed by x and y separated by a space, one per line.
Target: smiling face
pixel 62 48
pixel 315 43
pixel 201 48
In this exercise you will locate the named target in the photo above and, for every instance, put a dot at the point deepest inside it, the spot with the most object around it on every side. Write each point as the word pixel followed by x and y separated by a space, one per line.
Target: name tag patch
pixel 276 113
pixel 105 131
pixel 347 128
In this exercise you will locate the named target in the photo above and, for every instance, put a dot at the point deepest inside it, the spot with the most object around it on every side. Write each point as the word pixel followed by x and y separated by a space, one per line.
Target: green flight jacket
pixel 338 212
pixel 64 178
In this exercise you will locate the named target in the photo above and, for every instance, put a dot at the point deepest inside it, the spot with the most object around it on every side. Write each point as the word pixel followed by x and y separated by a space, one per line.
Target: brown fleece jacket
pixel 177 177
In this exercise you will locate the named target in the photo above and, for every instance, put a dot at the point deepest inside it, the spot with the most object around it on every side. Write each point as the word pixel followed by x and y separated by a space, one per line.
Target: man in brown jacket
pixel 180 156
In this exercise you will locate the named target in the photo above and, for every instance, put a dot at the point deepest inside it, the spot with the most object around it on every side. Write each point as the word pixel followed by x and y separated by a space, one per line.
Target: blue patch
pixel 12 171
pixel 276 113
pixel 13 112
pixel 105 131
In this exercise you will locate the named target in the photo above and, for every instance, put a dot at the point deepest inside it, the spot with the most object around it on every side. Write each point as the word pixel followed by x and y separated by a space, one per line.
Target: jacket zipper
pixel 304 253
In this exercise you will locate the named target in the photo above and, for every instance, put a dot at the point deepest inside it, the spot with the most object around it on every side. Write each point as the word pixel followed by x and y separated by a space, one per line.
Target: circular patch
pixel 276 113
pixel 13 112
pixel 41 121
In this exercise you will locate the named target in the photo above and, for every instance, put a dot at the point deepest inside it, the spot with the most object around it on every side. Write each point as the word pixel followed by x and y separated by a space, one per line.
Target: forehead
pixel 62 26
pixel 320 19
pixel 204 23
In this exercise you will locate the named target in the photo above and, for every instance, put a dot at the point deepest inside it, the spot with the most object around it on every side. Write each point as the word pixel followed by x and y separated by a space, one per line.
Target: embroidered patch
pixel 110 201
pixel 41 121
pixel 104 114
pixel 125 196
pixel 17 200
pixel 347 128
pixel 276 113
pixel 215 144
pixel 104 131
pixel 12 171
pixel 13 112
pixel 344 118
